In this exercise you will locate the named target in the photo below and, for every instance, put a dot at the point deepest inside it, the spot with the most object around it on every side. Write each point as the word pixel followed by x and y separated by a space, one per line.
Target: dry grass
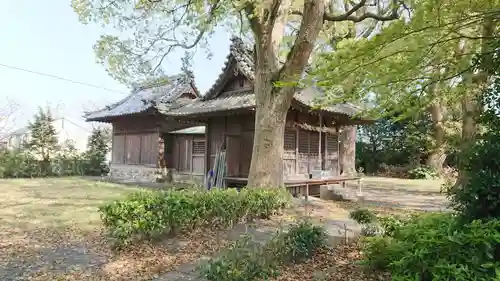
pixel 35 204
pixel 50 230
pixel 333 264
pixel 433 185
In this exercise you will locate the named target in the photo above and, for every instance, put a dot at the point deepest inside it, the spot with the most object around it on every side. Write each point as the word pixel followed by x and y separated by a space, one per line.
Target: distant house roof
pixel 162 91
pixel 240 60
pixel 20 131
pixel 198 130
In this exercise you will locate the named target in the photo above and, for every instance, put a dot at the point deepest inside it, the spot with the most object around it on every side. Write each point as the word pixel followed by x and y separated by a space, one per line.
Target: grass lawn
pixel 36 204
pixel 433 185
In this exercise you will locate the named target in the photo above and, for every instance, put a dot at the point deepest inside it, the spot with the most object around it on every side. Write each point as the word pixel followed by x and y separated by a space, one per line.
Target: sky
pixel 46 37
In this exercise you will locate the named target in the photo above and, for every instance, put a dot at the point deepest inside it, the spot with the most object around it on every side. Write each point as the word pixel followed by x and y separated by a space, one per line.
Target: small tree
pixel 43 137
pixel 480 198
pixel 97 148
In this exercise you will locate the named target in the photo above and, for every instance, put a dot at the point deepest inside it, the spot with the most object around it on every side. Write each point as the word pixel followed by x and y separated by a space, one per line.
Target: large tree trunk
pixel 437 154
pixel 267 156
pixel 469 130
pixel 272 101
pixel 348 150
pixel 471 102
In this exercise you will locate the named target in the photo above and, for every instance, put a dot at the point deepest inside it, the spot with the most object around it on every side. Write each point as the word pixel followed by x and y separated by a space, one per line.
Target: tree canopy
pixel 434 46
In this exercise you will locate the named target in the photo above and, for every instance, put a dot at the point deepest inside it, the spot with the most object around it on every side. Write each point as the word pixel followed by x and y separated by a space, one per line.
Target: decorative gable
pixel 236 83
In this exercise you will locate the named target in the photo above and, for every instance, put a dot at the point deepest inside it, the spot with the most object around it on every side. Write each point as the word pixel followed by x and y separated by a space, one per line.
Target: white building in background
pixel 67 130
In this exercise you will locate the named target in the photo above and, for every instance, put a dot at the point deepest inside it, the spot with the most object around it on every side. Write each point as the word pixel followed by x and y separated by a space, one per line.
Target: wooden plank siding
pixel 188 153
pixel 135 148
pixel 237 133
pixel 303 152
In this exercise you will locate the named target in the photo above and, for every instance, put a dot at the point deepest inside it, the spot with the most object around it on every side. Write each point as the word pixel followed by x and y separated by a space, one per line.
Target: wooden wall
pixel 236 83
pixel 237 131
pixel 135 148
pixel 187 153
pixel 304 151
pixel 135 141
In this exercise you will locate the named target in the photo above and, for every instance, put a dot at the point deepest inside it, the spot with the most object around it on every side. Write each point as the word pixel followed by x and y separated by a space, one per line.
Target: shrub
pixel 298 243
pixel 362 216
pixel 264 202
pixel 148 214
pixel 370 230
pixel 22 164
pixel 245 261
pixel 422 172
pixel 480 198
pixel 249 261
pixel 437 247
pixel 18 164
pixel 380 251
pixel 390 224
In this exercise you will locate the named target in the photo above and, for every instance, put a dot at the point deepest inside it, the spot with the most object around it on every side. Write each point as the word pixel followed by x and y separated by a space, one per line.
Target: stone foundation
pixel 337 192
pixel 132 173
pixel 139 173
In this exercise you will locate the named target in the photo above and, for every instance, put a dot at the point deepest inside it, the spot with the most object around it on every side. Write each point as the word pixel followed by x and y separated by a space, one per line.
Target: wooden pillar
pixel 320 158
pixel 338 130
pixel 161 163
pixel 208 129
pixel 296 150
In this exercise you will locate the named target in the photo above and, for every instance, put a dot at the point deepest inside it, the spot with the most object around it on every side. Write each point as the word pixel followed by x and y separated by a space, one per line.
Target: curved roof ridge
pixel 239 54
pixel 142 97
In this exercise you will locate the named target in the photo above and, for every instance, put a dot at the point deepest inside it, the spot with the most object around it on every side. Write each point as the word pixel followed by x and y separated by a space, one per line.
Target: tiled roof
pixel 309 95
pixel 240 57
pixel 20 131
pixel 165 91
pixel 239 100
pixel 246 100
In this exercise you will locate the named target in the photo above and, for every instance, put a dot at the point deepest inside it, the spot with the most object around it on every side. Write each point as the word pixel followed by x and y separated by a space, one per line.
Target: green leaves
pixel 249 261
pixel 437 247
pixel 43 140
pixel 148 31
pixel 149 215
pixel 362 216
pixel 402 63
pixel 97 148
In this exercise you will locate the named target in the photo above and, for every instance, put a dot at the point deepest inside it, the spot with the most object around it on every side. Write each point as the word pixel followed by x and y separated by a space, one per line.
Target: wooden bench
pixel 302 184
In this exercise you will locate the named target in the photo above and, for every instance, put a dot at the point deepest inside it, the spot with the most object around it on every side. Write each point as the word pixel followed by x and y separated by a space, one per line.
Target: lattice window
pixel 290 140
pixel 331 145
pixel 198 147
pixel 303 142
pixel 314 144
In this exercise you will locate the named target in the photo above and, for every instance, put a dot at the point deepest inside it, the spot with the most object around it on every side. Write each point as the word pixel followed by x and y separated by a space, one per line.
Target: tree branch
pixel 273 14
pixel 304 42
pixel 202 32
pixel 6 114
pixel 255 24
pixel 348 16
